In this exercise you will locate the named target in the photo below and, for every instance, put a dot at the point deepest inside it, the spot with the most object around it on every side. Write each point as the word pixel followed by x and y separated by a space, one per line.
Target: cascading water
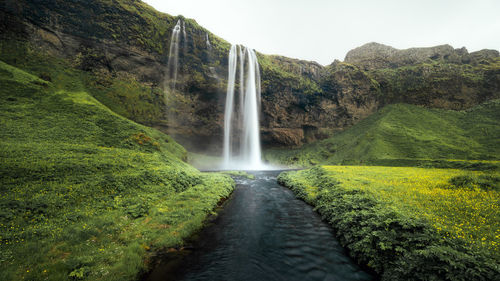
pixel 207 41
pixel 249 152
pixel 170 81
pixel 184 37
pixel 173 55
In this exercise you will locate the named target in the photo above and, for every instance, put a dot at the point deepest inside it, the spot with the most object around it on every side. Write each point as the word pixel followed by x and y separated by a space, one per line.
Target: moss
pixel 421 82
pixel 279 72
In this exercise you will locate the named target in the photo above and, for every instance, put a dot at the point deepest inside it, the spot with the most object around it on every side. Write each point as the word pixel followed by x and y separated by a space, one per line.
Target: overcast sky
pixel 324 30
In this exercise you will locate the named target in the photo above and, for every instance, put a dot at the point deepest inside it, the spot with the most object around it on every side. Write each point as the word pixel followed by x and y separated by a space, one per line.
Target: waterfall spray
pixel 249 152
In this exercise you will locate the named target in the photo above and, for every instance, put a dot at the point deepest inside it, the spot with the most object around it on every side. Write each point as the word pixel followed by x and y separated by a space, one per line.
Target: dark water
pixel 262 233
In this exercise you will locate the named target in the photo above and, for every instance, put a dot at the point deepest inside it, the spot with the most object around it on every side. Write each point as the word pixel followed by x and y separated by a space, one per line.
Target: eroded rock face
pixel 302 101
pixel 310 102
pixel 375 56
pixel 371 55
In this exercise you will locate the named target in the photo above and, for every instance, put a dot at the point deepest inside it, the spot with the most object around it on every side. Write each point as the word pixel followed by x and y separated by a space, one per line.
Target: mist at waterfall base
pixel 241 143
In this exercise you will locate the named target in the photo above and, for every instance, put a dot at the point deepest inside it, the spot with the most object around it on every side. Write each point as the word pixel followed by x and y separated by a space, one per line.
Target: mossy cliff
pixel 439 77
pixel 123 46
pixel 308 105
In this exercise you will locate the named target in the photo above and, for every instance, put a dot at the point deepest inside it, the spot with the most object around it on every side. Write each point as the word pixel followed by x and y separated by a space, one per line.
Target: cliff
pixel 438 77
pixel 122 49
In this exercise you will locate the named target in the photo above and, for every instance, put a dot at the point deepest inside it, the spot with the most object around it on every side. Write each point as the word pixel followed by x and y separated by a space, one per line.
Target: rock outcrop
pixel 376 56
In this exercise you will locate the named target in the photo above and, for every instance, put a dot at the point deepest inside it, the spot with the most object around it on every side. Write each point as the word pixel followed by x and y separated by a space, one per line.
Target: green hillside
pixel 402 132
pixel 86 193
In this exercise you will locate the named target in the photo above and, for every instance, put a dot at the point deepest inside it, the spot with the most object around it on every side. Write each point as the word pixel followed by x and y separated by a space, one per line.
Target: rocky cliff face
pixel 440 76
pixel 376 56
pixel 123 45
pixel 297 111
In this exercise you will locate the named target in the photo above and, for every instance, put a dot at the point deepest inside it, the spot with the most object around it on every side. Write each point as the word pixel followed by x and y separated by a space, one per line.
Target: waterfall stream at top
pixel 171 75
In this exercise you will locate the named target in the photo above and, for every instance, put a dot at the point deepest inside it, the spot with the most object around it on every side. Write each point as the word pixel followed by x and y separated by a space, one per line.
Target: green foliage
pixel 288 76
pixel 397 245
pixel 486 182
pixel 126 96
pixel 86 194
pixel 78 273
pixel 408 135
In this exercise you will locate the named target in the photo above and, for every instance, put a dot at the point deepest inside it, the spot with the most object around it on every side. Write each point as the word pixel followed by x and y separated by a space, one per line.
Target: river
pixel 262 233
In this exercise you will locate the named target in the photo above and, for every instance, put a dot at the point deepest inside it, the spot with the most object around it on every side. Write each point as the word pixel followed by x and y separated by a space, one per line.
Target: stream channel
pixel 262 233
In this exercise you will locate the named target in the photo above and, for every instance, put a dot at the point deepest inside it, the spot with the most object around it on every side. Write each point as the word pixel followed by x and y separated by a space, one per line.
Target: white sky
pixel 324 30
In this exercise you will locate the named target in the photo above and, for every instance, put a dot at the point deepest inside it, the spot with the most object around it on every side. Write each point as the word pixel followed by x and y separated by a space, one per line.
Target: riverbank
pixel 400 243
pixel 87 194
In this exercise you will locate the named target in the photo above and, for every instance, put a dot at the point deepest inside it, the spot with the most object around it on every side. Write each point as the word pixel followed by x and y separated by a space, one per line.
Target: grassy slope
pixel 85 193
pixel 409 223
pixel 403 131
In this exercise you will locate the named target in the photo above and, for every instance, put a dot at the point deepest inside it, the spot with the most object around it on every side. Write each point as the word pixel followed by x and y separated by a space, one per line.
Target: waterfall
pixel 173 55
pixel 207 41
pixel 170 94
pixel 184 37
pixel 249 152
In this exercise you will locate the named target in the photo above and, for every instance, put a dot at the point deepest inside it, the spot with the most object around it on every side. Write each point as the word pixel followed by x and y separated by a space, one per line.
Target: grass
pixel 456 212
pixel 403 133
pixel 409 223
pixel 87 194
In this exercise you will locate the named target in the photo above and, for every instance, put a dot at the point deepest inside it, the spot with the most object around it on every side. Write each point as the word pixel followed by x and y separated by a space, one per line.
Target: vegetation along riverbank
pixel 409 223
